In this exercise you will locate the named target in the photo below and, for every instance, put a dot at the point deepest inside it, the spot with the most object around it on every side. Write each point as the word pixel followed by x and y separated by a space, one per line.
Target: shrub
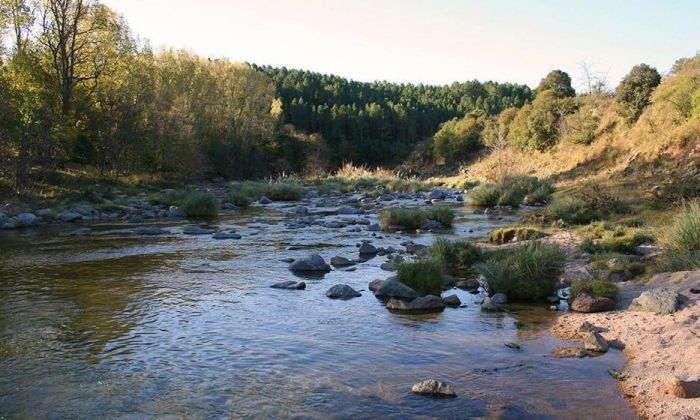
pixel 513 234
pixel 424 276
pixel 682 240
pixel 512 193
pixel 442 214
pixel 634 92
pixel 239 199
pixel 408 218
pixel 600 237
pixel 527 273
pixel 597 287
pixel 455 254
pixel 200 204
pixel 285 191
pixel 167 197
pixel 572 210
pixel 486 195
pixel 457 138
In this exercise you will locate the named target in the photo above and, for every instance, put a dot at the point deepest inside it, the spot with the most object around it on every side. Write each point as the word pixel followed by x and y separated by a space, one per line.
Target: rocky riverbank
pixel 662 350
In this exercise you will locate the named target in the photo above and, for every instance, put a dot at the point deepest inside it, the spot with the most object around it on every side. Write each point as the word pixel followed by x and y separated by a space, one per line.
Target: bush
pixel 285 191
pixel 457 138
pixel 602 288
pixel 442 214
pixel 239 199
pixel 408 218
pixel 424 276
pixel 457 254
pixel 200 204
pixel 167 197
pixel 634 92
pixel 572 210
pixel 504 235
pixel 682 240
pixel 601 237
pixel 486 195
pixel 527 273
pixel 515 191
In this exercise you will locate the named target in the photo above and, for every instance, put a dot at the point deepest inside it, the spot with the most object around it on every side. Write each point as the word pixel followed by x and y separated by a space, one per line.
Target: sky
pixel 427 41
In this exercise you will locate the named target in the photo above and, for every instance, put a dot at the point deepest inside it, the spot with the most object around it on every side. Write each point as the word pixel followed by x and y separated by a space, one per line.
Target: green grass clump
pixel 239 199
pixel 459 254
pixel 572 210
pixel 505 235
pixel 167 197
pixel 423 276
pixel 605 237
pixel 408 218
pixel 597 287
pixel 200 204
pixel 285 191
pixel 486 195
pixel 442 214
pixel 526 273
pixel 513 192
pixel 682 240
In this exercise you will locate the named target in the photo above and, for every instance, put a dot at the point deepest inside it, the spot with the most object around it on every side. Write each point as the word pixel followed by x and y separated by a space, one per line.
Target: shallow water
pixel 116 325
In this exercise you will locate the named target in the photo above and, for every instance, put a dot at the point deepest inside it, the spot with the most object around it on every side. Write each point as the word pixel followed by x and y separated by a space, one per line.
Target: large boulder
pixel 588 303
pixel 429 303
pixel 394 289
pixel 26 220
pixel 150 231
pixel 367 249
pixel 342 291
pixel 660 301
pixel 499 299
pixel 226 235
pixel 312 263
pixel 289 285
pixel 375 284
pixel 350 210
pixel 433 388
pixel 683 388
pixel 70 216
pixel 452 301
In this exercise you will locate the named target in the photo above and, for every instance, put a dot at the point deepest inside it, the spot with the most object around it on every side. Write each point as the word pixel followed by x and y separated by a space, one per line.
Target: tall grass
pixel 526 273
pixel 408 218
pixel 423 276
pixel 442 214
pixel 513 192
pixel 572 210
pixel 504 235
pixel 200 204
pixel 603 237
pixel 682 240
pixel 458 254
pixel 597 287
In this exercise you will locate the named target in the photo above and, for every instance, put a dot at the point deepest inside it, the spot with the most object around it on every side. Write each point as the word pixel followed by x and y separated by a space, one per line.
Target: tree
pixel 457 138
pixel 634 92
pixel 19 16
pixel 558 82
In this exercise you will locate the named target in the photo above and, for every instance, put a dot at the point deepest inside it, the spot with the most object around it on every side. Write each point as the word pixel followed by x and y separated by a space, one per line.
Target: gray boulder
pixel 350 210
pixel 289 285
pixel 342 291
pixel 81 232
pixel 264 200
pixel 433 388
pixel 26 220
pixel 367 249
pixel 468 284
pixel 499 299
pixel 438 195
pixel 374 285
pixel 339 261
pixel 452 301
pixel 588 303
pixel 427 303
pixel 226 235
pixel 660 301
pixel 489 305
pixel 312 263
pixel 593 341
pixel 70 216
pixel 394 289
pixel 150 231
pixel 374 227
pixel 432 225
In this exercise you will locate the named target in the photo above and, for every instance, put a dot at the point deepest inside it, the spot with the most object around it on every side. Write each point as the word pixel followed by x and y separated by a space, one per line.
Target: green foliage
pixel 168 197
pixel 284 191
pixel 634 92
pixel 442 214
pixel 457 138
pixel 602 237
pixel 458 254
pixel 683 236
pixel 536 127
pixel 558 82
pixel 239 199
pixel 571 210
pixel 423 276
pixel 682 90
pixel 513 192
pixel 505 235
pixel 486 195
pixel 409 218
pixel 597 287
pixel 200 204
pixel 526 273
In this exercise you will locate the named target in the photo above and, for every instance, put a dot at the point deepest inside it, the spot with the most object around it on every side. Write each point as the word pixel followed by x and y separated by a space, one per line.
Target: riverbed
pixel 115 324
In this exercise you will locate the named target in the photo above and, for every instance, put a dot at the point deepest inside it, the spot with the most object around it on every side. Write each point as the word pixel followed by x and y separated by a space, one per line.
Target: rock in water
pixel 488 305
pixel 660 301
pixel 452 301
pixel 197 230
pixel 26 220
pixel 150 231
pixel 375 284
pixel 392 288
pixel 588 303
pixel 421 304
pixel 433 388
pixel 290 285
pixel 341 262
pixel 226 235
pixel 367 249
pixel 342 291
pixel 264 200
pixel 568 352
pixel 312 263
pixel 499 299
pixel 595 342
pixel 683 388
pixel 70 216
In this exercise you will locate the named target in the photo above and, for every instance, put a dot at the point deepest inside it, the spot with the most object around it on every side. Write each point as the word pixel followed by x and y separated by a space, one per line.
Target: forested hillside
pixel 375 123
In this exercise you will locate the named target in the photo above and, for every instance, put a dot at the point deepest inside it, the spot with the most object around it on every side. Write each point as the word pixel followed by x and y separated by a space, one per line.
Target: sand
pixel 657 348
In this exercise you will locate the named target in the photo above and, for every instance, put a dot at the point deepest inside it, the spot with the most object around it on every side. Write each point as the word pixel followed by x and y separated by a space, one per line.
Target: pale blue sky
pixel 423 41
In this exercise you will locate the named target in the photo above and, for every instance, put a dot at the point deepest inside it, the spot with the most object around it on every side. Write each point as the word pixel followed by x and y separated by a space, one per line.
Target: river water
pixel 118 325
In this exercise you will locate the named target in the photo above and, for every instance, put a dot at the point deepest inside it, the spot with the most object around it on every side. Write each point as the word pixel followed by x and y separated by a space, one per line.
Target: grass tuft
pixel 597 287
pixel 442 214
pixel 423 276
pixel 200 204
pixel 409 218
pixel 459 254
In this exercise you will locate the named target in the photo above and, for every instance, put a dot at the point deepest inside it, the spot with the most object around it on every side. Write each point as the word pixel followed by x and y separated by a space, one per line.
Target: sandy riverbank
pixel 657 348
